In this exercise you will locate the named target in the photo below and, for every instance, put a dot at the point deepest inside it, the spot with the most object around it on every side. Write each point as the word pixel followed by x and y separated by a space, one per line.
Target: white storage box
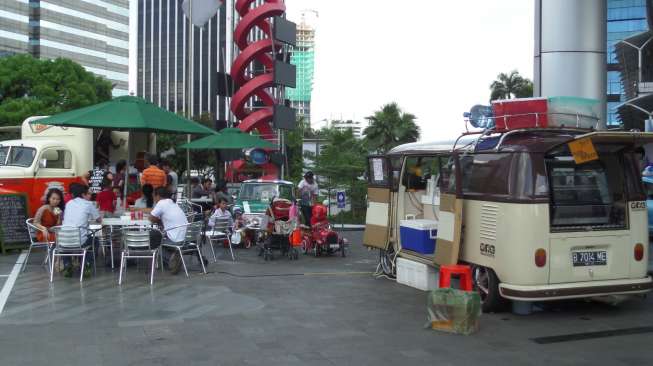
pixel 416 275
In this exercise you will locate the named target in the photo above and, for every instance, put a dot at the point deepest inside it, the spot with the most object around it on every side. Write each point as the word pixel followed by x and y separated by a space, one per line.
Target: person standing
pixel 153 175
pixel 172 177
pixel 221 191
pixel 106 199
pixel 308 191
pixel 119 178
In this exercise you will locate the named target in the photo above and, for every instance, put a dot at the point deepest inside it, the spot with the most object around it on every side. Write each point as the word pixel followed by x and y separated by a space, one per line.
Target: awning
pixel 636 111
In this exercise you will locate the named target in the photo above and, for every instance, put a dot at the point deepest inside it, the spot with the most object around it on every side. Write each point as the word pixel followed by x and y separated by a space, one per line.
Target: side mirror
pixel 43 163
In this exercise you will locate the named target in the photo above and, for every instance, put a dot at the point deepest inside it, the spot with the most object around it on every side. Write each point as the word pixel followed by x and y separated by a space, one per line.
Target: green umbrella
pixel 127 113
pixel 229 138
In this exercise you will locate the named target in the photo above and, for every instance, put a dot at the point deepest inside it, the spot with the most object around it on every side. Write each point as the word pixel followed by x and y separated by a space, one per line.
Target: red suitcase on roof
pixel 520 113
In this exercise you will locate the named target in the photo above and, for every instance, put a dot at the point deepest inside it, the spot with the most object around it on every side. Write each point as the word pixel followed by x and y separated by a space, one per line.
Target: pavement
pixel 314 311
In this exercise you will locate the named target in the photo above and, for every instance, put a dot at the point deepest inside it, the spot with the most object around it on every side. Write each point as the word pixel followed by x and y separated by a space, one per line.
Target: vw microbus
pixel 535 219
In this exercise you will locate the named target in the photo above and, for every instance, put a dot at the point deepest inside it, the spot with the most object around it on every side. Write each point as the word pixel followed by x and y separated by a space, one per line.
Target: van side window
pixel 447 181
pixel 486 174
pixel 419 170
pixel 57 159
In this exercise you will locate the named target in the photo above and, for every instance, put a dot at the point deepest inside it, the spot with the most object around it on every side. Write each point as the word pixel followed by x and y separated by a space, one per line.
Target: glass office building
pixel 625 19
pixel 163 62
pixel 93 33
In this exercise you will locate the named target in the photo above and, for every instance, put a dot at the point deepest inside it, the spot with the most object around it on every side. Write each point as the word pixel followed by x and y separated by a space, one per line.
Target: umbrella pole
pixel 126 176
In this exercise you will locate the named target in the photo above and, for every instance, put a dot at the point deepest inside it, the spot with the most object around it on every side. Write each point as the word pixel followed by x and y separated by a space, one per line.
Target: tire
pixel 486 282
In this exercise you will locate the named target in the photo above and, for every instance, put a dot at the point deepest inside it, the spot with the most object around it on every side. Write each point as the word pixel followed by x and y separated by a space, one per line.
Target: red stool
pixel 464 271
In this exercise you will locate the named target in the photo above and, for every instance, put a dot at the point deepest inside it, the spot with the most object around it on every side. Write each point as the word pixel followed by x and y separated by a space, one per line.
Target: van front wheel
pixel 486 283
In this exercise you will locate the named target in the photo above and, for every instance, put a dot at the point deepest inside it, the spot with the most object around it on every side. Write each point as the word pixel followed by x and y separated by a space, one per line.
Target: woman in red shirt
pixel 106 199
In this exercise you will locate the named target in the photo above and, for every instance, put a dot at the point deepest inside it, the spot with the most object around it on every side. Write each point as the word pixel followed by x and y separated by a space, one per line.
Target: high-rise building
pixel 626 18
pixel 303 57
pixel 635 57
pixel 355 126
pixel 163 58
pixel 93 33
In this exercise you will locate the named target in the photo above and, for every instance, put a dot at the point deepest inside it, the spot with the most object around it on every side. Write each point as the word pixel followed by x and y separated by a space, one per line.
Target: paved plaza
pixel 315 311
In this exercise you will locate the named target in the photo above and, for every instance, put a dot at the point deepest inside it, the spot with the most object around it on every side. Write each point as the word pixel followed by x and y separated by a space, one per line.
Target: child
pixel 106 199
pixel 221 213
pixel 240 226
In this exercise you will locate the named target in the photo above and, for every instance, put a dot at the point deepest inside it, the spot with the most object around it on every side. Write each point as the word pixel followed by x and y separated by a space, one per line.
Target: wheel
pixel 486 282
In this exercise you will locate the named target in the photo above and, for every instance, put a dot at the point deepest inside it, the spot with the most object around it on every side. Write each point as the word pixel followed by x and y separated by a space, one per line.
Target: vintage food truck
pixel 53 157
pixel 538 213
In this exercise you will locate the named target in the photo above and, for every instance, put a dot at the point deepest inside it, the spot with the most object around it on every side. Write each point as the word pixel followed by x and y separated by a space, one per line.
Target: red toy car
pixel 320 238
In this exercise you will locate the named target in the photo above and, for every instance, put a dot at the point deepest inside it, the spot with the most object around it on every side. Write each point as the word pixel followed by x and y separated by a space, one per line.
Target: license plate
pixel 334 246
pixel 593 258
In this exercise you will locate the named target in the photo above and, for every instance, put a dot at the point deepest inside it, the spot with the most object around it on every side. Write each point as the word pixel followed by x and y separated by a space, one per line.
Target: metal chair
pixel 109 237
pixel 220 230
pixel 136 244
pixel 68 243
pixel 33 230
pixel 190 245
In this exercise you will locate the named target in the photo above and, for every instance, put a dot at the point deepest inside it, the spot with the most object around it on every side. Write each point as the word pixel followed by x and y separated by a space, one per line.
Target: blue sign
pixel 341 198
pixel 259 156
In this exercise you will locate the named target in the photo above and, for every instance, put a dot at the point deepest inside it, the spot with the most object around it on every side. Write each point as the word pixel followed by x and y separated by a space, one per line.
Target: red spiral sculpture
pixel 257 86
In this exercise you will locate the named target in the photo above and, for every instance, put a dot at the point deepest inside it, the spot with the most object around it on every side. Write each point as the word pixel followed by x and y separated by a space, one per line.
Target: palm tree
pixel 390 127
pixel 508 86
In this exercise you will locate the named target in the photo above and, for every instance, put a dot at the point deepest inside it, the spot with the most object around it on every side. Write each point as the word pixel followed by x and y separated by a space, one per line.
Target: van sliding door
pixel 377 218
pixel 447 246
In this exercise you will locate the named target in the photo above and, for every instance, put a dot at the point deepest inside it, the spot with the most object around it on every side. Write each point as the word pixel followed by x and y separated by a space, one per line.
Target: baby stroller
pixel 320 239
pixel 280 227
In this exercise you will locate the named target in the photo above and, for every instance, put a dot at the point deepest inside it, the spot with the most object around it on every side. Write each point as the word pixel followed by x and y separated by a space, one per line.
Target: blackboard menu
pixel 13 213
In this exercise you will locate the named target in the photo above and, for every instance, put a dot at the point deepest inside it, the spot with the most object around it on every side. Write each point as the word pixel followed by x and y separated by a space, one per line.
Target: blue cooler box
pixel 418 235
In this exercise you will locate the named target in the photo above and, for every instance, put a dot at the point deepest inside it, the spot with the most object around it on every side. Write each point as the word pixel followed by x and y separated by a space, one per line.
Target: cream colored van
pixel 536 219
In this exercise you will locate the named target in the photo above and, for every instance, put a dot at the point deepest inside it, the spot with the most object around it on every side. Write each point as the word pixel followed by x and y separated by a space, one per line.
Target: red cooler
pixel 520 113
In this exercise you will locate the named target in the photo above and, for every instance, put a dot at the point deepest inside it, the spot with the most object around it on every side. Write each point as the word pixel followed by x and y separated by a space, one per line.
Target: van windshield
pixel 17 156
pixel 264 191
pixel 587 196
pixel 4 150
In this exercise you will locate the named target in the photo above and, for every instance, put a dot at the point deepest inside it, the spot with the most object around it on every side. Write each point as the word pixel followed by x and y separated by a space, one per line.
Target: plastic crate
pixel 520 113
pixel 417 275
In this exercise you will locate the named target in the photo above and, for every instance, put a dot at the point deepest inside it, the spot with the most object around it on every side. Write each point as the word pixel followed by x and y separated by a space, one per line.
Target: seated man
pixel 166 213
pixel 79 211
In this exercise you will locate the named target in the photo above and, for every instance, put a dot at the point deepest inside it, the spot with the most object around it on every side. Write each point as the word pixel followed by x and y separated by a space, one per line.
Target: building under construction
pixel 303 57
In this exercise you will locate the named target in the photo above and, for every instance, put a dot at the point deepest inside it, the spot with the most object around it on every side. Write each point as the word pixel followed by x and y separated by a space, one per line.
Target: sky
pixel 435 58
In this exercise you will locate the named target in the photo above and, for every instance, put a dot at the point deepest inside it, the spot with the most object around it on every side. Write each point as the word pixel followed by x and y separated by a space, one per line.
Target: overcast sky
pixel 435 58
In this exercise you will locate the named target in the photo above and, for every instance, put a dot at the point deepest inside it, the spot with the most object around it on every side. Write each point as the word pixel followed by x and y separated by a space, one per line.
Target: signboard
pixel 583 150
pixel 259 156
pixel 13 231
pixel 341 198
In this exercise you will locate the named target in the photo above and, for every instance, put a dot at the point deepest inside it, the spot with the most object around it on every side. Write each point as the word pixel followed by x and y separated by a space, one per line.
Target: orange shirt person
pixel 153 175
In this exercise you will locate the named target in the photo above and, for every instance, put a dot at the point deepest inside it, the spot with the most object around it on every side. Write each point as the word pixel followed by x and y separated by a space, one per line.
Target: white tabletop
pixel 119 221
pixel 202 200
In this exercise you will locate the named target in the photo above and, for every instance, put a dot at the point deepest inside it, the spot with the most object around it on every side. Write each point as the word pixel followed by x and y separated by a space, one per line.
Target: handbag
pixel 236 237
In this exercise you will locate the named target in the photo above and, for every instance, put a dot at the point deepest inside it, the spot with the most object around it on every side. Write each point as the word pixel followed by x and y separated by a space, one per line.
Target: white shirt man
pixel 79 212
pixel 170 215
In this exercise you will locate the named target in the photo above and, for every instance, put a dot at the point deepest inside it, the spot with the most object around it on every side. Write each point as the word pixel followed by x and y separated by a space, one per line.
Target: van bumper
pixel 575 290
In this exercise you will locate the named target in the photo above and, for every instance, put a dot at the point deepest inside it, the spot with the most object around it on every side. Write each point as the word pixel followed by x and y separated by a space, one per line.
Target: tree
pixel 30 87
pixel 390 127
pixel 342 162
pixel 508 86
pixel 295 149
pixel 203 161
